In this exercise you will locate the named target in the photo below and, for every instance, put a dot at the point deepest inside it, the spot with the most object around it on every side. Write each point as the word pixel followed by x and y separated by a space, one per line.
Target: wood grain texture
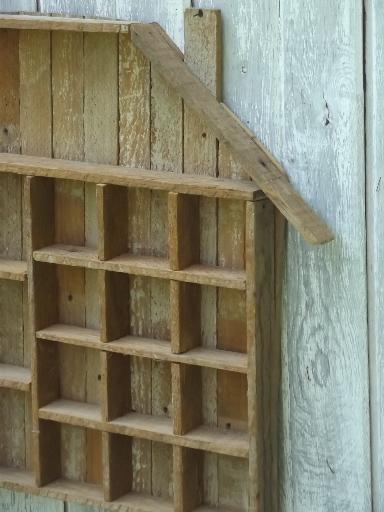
pixel 374 48
pixel 135 133
pixel 323 399
pixel 17 6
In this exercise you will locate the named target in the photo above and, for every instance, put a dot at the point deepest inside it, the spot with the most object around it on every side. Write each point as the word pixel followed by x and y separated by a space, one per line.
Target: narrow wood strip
pixel 263 355
pixel 141 266
pixel 25 21
pixel 146 348
pixel 259 164
pixel 117 465
pixel 155 428
pixel 13 270
pixel 129 177
pixel 188 478
pixel 186 398
pixel 15 377
pixel 184 230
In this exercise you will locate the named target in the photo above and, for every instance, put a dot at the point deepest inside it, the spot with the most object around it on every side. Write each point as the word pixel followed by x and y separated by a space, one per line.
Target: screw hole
pixel 199 13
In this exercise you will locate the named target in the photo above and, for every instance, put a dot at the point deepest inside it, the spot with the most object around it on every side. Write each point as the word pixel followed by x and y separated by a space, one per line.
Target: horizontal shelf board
pixel 75 413
pixel 144 347
pixel 71 335
pixel 29 22
pixel 86 257
pixel 15 377
pixel 125 176
pixel 80 492
pixel 13 270
pixel 19 478
pixel 154 428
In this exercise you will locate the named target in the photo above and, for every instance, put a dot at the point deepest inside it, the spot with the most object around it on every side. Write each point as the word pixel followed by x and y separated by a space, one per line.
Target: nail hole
pixel 262 163
pixel 99 377
pixel 228 426
pixel 70 297
pixel 204 135
pixel 165 410
pixel 5 131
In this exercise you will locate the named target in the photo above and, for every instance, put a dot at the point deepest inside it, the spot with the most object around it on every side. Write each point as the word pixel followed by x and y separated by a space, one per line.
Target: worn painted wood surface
pixel 375 236
pixel 307 107
pixel 293 72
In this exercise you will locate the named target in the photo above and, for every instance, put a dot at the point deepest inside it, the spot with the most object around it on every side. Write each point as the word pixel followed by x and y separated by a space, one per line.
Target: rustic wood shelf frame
pixel 142 320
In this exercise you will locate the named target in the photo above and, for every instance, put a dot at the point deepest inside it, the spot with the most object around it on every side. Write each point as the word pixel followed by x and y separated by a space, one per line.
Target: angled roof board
pixel 259 164
pixel 164 55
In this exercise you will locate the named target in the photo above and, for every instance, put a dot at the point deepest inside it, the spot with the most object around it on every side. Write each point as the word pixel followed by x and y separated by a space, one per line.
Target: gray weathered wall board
pixel 293 71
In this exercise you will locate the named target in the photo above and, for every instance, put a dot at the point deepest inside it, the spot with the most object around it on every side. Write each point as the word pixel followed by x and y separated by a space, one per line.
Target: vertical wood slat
pixel 36 139
pixel 43 312
pixel 166 154
pixel 69 215
pixel 15 422
pixel 203 55
pixel 134 138
pixel 100 145
pixel 263 358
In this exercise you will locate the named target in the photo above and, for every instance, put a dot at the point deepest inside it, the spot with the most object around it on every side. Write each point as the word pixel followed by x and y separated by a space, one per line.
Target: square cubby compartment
pixel 66 296
pixel 137 311
pixel 69 381
pixel 68 211
pixel 72 456
pixel 14 349
pixel 139 471
pixel 206 231
pixel 214 402
pixel 134 223
pixel 209 325
pixel 209 481
pixel 15 431
pixel 138 393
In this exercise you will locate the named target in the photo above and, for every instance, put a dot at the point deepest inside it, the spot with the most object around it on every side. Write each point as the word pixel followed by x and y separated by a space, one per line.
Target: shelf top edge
pixel 34 22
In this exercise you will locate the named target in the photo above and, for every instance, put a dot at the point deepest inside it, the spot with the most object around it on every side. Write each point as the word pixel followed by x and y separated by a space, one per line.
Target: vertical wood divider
pixel 38 193
pixel 260 224
pixel 203 54
pixel 114 315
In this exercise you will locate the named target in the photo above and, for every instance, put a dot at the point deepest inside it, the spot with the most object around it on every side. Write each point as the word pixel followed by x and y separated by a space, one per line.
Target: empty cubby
pixel 66 295
pixel 209 397
pixel 15 430
pixel 208 316
pixel 213 238
pixel 207 481
pixel 132 388
pixel 134 307
pixel 70 213
pixel 133 222
pixel 127 478
pixel 68 373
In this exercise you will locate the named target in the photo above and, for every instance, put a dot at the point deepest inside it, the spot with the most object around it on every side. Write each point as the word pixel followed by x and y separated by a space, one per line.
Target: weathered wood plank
pixel 203 55
pixel 374 47
pixel 325 298
pixel 134 109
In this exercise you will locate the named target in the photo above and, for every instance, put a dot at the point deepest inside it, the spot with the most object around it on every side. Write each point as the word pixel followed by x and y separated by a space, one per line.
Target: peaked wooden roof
pixel 168 60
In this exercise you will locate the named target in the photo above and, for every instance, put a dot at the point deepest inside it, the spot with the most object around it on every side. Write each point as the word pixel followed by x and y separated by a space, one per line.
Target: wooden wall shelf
pixel 140 270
